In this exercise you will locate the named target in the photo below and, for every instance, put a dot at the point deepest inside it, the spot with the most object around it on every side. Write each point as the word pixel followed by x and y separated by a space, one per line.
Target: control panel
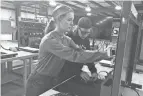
pixel 31 33
pixel 102 45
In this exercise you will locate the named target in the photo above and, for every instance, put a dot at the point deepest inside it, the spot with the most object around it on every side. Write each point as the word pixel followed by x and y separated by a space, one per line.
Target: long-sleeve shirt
pixel 73 68
pixel 85 43
pixel 55 49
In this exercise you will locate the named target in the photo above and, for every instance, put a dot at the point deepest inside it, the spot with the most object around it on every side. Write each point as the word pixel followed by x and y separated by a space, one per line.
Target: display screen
pixel 105 29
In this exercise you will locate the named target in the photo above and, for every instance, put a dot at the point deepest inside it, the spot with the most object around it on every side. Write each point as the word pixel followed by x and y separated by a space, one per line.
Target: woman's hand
pixel 85 76
pixel 79 49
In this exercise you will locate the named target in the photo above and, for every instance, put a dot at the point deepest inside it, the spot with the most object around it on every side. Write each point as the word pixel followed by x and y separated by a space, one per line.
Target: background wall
pixel 8 23
pixel 7 19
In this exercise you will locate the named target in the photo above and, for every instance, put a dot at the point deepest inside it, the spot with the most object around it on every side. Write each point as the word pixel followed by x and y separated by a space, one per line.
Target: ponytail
pixel 50 26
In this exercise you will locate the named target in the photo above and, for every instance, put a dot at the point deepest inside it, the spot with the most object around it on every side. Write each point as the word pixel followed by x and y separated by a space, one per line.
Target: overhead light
pixel 52 3
pixel 88 9
pixel 88 14
pixel 109 17
pixel 118 7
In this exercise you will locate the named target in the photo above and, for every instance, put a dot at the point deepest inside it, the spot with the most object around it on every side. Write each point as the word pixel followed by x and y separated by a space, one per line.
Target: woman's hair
pixel 58 12
pixel 50 26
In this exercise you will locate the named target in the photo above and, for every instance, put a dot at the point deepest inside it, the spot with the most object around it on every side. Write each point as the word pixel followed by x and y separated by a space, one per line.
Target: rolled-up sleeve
pixel 67 53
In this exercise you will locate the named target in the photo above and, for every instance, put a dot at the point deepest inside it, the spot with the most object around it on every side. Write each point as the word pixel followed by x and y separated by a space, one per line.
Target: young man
pixel 80 37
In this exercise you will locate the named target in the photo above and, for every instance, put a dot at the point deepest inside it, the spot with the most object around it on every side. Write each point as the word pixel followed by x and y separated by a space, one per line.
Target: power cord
pixel 136 92
pixel 134 89
pixel 14 49
pixel 4 48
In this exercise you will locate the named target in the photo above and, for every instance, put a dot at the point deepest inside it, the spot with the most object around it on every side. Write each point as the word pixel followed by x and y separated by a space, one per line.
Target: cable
pixel 63 82
pixel 3 47
pixel 132 89
pixel 136 91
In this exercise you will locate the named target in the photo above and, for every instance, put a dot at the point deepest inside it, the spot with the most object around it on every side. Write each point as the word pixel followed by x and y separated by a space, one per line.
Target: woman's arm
pixel 70 54
pixel 75 46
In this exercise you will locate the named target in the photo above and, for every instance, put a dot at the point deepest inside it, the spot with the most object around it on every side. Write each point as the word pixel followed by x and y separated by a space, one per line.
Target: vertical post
pixel 3 68
pixel 139 42
pixel 30 65
pixel 25 74
pixel 9 66
pixel 17 14
pixel 126 8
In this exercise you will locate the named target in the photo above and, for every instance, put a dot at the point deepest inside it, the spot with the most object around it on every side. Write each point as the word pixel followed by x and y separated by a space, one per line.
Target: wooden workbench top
pixel 21 55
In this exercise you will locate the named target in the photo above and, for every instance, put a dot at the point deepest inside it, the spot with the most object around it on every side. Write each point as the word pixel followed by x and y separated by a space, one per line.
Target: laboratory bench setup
pixel 115 24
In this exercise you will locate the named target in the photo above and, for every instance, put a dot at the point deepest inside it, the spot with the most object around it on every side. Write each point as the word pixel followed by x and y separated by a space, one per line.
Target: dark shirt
pixel 71 68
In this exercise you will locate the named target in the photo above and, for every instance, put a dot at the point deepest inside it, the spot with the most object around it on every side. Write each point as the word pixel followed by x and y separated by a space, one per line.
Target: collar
pixel 78 34
pixel 58 35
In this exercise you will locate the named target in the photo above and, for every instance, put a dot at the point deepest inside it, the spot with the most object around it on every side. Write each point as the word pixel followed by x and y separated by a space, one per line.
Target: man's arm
pixel 91 67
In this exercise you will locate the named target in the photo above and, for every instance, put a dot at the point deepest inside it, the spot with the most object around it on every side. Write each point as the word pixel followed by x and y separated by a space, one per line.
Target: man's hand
pixel 85 76
pixel 101 76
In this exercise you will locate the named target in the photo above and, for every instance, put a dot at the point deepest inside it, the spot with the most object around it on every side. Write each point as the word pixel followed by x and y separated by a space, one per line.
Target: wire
pixel 136 91
pixel 3 47
pixel 63 82
pixel 133 90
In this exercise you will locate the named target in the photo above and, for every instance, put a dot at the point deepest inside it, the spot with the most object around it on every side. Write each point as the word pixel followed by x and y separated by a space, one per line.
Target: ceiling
pixel 98 8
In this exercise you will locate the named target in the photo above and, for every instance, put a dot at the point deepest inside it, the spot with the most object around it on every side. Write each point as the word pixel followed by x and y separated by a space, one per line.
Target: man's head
pixel 84 25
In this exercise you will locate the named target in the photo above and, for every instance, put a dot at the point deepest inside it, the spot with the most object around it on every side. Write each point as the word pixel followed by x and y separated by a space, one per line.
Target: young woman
pixel 54 49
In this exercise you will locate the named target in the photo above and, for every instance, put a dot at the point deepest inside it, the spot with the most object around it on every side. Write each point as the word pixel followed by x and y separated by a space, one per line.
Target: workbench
pixel 137 78
pixel 106 89
pixel 7 72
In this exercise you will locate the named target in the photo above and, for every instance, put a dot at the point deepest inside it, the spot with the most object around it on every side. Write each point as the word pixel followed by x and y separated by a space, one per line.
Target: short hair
pixel 84 22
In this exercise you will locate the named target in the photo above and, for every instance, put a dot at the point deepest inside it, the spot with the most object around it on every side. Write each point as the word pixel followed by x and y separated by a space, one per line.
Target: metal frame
pixel 120 57
pixel 140 41
pixel 133 50
pixel 99 8
pixel 127 51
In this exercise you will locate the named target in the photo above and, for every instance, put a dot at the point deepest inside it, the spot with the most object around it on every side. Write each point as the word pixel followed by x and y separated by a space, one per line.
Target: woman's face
pixel 66 22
